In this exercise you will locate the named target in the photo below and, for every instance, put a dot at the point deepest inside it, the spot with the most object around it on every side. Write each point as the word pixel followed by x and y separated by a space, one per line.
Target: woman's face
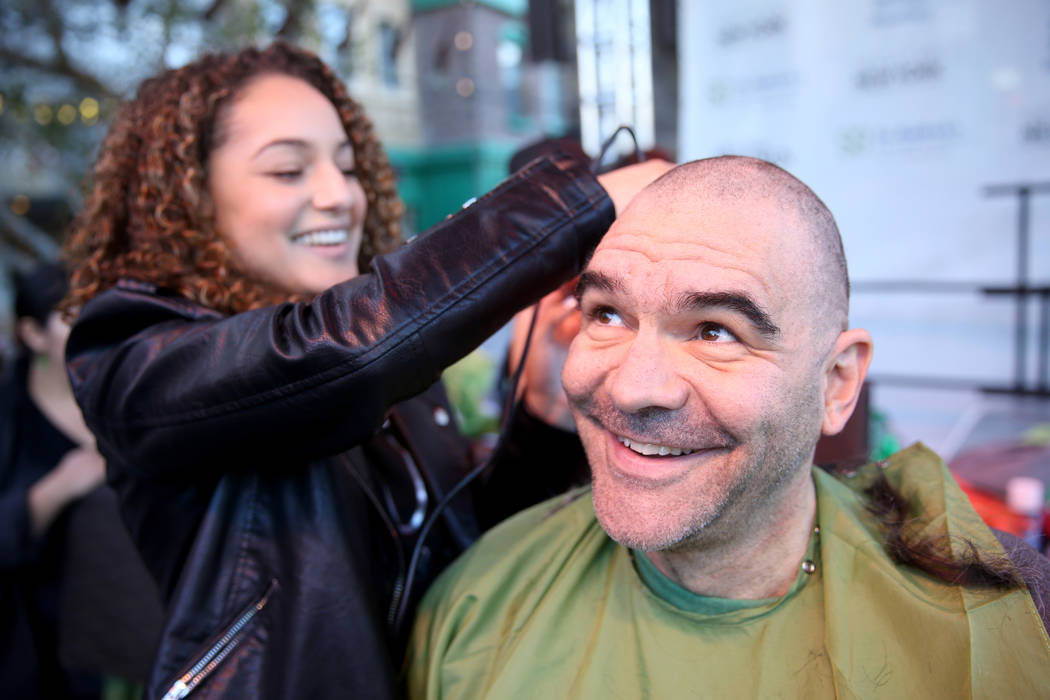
pixel 283 183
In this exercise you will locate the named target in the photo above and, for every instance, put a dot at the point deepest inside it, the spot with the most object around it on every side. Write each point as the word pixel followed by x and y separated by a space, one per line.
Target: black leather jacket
pixel 248 451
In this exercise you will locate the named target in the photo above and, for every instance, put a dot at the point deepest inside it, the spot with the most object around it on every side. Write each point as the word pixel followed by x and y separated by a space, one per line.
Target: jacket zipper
pixel 186 683
pixel 399 581
pixel 395 599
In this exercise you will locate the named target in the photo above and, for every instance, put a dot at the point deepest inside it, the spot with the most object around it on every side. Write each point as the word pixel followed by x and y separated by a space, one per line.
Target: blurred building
pixel 454 91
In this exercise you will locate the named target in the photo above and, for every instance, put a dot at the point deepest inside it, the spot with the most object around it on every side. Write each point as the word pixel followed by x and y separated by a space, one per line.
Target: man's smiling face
pixel 697 377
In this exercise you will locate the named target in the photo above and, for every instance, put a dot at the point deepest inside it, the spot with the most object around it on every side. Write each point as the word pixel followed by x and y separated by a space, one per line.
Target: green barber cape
pixel 547 606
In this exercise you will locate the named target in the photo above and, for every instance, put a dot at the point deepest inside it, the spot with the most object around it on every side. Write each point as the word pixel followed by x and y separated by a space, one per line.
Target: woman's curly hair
pixel 148 215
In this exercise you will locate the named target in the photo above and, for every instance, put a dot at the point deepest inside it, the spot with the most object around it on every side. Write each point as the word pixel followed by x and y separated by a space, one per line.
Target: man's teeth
pixel 336 236
pixel 644 448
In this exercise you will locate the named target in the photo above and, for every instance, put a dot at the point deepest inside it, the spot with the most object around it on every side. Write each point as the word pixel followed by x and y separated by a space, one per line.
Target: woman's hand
pixel 624 183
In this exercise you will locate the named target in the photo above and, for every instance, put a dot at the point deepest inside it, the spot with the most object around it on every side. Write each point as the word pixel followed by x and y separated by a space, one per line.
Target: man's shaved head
pixel 742 179
pixel 713 352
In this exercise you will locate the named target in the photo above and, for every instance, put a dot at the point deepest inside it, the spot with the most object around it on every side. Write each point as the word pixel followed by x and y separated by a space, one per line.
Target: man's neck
pixel 760 559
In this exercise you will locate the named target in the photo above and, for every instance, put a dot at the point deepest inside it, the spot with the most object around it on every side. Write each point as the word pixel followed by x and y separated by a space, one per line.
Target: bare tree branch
pixel 28 236
pixel 214 9
pixel 15 258
pixel 55 29
pixel 63 68
pixel 352 12
pixel 293 20
pixel 60 64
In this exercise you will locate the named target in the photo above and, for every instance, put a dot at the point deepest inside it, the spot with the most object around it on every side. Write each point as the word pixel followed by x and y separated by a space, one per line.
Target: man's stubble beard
pixel 751 501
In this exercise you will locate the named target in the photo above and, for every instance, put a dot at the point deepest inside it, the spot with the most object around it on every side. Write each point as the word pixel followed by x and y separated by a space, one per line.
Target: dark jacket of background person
pixel 76 603
pixel 31 567
pixel 246 454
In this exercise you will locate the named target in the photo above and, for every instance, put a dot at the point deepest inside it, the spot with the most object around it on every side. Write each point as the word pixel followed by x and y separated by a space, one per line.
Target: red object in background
pixel 993 511
pixel 984 471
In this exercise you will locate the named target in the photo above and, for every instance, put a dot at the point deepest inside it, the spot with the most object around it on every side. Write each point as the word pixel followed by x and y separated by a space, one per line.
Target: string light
pixel 463 40
pixel 67 114
pixel 43 114
pixel 89 110
pixel 465 87
pixel 20 204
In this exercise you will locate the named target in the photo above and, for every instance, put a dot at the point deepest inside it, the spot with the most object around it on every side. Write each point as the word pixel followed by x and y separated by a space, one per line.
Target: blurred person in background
pixel 48 460
pixel 82 614
pixel 257 356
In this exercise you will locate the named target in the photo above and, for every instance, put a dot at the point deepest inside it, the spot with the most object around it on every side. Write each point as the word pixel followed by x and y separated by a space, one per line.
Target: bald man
pixel 710 558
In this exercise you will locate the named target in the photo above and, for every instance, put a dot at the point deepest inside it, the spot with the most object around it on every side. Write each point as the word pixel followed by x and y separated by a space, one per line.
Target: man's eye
pixel 715 333
pixel 287 175
pixel 605 316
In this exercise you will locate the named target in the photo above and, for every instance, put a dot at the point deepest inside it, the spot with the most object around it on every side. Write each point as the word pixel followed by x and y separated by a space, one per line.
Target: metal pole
pixel 1021 306
pixel 1044 340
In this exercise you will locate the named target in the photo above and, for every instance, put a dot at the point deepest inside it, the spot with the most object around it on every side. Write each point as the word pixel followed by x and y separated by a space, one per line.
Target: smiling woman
pixel 237 181
pixel 284 185
pixel 257 360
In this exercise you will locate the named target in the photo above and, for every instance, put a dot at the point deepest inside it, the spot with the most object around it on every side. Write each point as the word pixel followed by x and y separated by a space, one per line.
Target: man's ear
pixel 847 368
pixel 32 334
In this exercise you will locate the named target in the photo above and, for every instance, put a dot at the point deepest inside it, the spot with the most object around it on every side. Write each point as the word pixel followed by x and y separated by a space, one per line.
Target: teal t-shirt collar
pixel 684 599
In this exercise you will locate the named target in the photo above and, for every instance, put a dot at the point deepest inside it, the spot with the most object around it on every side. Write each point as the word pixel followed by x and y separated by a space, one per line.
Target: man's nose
pixel 646 376
pixel 333 190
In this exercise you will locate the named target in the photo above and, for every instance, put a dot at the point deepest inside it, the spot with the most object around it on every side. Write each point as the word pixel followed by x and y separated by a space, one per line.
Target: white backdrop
pixel 897 113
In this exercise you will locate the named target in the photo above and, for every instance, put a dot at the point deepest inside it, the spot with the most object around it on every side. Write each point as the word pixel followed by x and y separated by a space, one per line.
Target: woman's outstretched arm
pixel 170 387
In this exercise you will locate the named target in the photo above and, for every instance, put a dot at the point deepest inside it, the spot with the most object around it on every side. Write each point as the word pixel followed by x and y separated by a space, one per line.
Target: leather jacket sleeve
pixel 173 389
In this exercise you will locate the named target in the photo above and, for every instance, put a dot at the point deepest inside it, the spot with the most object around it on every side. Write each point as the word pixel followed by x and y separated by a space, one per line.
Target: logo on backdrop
pixel 1036 131
pixel 752 30
pixel 752 87
pixel 899 74
pixel 891 13
pixel 861 140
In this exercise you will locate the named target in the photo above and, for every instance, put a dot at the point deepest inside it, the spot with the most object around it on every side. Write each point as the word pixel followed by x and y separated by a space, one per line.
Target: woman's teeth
pixel 322 238
pixel 644 448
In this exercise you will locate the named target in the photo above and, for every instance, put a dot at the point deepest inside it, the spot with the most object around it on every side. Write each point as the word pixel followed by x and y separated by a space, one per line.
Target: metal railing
pixel 1022 291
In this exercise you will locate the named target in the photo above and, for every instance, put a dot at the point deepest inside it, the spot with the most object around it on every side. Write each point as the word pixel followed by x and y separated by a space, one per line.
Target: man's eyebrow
pixel 737 302
pixel 591 279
